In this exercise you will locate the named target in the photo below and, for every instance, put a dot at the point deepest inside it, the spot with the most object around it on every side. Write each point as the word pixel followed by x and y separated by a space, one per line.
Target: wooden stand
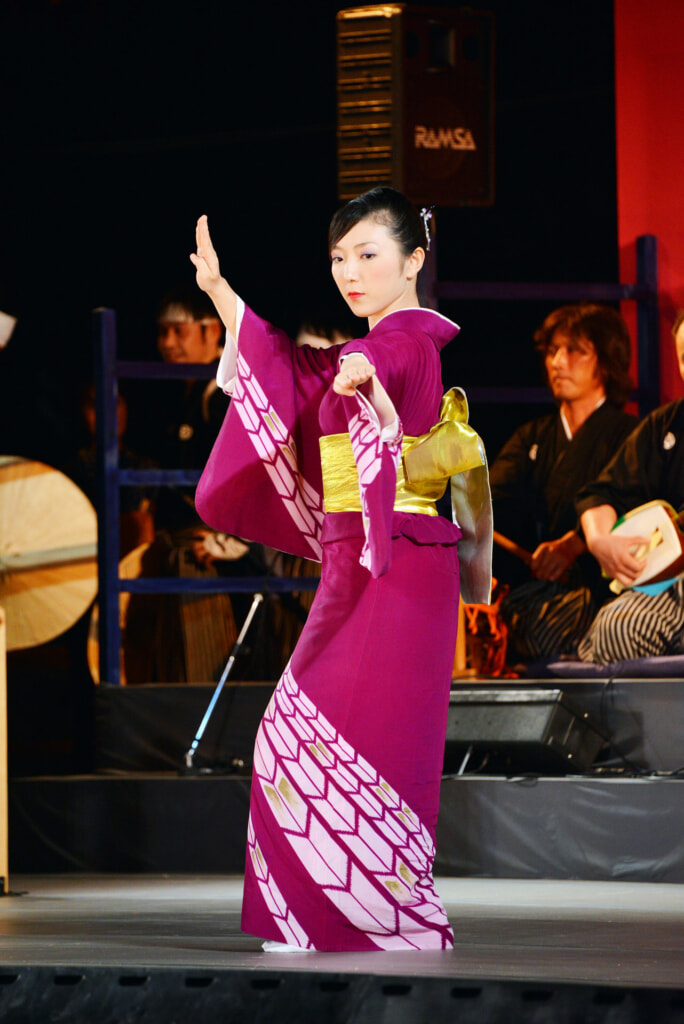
pixel 4 824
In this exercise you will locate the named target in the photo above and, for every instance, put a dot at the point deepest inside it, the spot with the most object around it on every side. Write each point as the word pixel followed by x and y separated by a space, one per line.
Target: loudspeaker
pixel 517 730
pixel 415 103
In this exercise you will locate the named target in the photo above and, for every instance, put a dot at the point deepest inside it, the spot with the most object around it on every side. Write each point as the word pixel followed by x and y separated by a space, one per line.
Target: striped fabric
pixel 546 619
pixel 636 625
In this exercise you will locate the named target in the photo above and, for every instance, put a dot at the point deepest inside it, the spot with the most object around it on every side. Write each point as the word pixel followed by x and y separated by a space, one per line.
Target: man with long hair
pixel 586 352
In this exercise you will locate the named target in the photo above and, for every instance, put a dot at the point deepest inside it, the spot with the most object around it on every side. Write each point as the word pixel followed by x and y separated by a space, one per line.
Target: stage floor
pixel 589 933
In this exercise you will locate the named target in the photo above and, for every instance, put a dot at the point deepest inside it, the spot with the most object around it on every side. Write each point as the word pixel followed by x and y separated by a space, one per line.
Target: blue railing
pixel 108 371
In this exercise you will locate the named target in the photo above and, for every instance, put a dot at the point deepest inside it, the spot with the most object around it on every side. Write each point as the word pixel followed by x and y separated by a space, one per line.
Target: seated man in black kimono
pixel 188 637
pixel 645 621
pixel 534 480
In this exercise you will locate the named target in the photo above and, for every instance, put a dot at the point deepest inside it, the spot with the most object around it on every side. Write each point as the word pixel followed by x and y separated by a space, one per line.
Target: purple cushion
pixel 668 666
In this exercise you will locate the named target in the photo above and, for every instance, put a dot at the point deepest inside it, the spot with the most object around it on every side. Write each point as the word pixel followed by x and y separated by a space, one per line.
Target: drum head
pixel 48 551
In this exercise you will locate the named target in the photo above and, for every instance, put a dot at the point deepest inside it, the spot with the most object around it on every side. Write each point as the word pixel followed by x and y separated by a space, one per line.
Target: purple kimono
pixel 348 757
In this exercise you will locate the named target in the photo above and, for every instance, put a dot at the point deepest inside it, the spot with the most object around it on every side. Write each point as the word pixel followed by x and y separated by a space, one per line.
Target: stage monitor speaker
pixel 519 730
pixel 415 103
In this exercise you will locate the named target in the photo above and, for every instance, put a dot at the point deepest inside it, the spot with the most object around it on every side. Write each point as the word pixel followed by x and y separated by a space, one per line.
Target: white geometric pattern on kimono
pixel 367 440
pixel 284 918
pixel 347 826
pixel 278 454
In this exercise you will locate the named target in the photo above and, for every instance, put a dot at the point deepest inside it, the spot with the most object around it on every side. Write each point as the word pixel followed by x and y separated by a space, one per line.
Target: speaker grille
pixel 415 103
pixel 364 101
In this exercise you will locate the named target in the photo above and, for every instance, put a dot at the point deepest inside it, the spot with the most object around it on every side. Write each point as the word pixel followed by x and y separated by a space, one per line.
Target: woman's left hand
pixel 356 370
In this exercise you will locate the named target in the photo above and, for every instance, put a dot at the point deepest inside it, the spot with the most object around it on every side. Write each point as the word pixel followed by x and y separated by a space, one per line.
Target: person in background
pixel 321 330
pixel 193 633
pixel 188 331
pixel 648 620
pixel 586 354
pixel 136 503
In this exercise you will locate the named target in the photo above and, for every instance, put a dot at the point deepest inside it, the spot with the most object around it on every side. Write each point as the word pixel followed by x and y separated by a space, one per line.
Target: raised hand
pixel 205 260
pixel 209 279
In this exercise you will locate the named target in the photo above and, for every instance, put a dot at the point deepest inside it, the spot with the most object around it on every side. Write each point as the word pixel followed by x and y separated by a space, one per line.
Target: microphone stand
pixel 188 760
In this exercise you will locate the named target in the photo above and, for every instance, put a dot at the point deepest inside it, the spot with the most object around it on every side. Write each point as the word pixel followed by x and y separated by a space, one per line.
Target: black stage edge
pixel 107 995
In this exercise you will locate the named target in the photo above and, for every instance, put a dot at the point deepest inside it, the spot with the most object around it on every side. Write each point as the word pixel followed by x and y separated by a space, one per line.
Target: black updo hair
pixel 385 206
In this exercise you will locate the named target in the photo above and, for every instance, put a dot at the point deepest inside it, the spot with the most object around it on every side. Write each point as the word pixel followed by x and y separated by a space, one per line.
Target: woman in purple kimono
pixel 338 455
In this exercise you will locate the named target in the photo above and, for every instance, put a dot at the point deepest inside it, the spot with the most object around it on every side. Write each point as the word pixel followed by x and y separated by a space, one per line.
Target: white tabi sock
pixel 283 947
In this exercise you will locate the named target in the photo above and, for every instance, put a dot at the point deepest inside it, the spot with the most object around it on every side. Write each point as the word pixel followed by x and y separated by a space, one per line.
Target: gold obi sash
pixel 427 462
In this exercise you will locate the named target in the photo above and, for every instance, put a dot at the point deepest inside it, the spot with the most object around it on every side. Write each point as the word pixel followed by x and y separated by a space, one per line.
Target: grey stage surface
pixel 629 935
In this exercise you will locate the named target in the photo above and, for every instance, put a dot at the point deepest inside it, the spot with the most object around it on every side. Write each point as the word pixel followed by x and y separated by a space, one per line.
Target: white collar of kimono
pixel 566 425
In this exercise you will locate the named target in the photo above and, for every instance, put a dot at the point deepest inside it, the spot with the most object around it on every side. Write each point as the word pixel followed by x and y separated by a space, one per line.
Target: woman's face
pixel 372 273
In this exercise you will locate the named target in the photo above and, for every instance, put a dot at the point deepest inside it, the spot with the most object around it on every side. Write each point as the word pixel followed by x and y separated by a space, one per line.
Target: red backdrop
pixel 649 62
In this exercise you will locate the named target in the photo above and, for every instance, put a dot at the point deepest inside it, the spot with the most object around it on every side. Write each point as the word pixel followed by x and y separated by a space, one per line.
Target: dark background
pixel 123 120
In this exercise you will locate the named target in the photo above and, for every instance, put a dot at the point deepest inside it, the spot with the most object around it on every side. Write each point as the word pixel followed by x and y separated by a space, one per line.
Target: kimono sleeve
pixel 262 481
pixel 377 458
pixel 376 435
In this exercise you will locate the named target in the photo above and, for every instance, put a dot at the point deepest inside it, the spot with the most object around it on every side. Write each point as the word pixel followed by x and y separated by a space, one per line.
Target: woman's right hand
pixel 206 263
pixel 355 371
pixel 205 260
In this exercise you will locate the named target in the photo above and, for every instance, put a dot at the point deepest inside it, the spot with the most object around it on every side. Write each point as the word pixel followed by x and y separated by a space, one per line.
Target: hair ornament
pixel 426 217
